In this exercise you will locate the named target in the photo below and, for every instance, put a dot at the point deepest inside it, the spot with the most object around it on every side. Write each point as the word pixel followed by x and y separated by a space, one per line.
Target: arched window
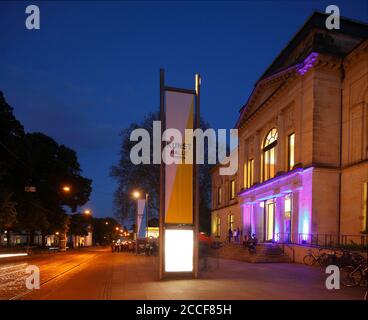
pixel 269 154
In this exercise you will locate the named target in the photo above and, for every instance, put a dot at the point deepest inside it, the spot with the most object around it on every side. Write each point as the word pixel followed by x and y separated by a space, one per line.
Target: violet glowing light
pixel 307 63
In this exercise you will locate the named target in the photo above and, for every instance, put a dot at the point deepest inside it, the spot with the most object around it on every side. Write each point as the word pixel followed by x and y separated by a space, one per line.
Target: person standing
pixel 230 235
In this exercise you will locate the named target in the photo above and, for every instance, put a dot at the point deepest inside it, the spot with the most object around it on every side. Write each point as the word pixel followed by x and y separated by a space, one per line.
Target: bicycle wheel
pixel 309 260
pixel 350 276
pixel 324 260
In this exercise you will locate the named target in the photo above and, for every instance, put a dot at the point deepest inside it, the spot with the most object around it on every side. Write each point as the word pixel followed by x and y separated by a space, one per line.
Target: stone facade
pixel 226 212
pixel 354 177
pixel 315 94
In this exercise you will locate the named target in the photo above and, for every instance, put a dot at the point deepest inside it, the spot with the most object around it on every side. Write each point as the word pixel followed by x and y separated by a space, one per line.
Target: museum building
pixel 303 144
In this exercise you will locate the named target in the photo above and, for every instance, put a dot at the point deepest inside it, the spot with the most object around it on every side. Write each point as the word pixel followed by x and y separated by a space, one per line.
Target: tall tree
pixel 79 224
pixel 35 159
pixel 146 177
pixel 8 212
pixel 32 216
pixel 51 166
pixel 12 167
pixel 11 170
pixel 104 230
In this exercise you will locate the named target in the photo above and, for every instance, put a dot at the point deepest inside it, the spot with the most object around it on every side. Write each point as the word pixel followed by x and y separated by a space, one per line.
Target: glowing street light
pixel 117 228
pixel 106 222
pixel 67 189
pixel 87 211
pixel 136 194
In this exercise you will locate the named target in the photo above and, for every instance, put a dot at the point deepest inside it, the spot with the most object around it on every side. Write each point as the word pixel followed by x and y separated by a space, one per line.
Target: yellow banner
pixel 179 177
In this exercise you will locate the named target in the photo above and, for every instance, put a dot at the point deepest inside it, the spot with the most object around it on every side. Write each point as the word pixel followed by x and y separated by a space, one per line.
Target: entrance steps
pixel 265 253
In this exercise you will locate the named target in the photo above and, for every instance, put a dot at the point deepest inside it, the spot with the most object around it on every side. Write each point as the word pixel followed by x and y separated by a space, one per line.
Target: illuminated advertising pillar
pixel 178 183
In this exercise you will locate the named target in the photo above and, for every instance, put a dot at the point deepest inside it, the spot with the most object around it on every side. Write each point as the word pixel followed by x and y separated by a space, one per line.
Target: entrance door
pixel 269 219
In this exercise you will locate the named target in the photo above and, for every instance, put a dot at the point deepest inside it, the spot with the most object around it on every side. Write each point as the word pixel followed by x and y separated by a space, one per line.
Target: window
pixel 269 154
pixel 365 207
pixel 219 195
pixel 245 181
pixel 230 222
pixel 291 151
pixel 250 173
pixel 232 189
pixel 218 227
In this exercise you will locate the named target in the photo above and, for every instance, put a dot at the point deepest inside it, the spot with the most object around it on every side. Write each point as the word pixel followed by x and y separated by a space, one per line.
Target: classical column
pixel 295 216
pixel 279 218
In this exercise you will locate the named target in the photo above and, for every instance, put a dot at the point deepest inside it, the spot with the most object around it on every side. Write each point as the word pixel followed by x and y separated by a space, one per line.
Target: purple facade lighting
pixel 297 182
pixel 307 63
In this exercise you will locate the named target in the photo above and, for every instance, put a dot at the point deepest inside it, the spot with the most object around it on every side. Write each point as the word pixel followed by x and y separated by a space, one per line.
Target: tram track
pixel 12 282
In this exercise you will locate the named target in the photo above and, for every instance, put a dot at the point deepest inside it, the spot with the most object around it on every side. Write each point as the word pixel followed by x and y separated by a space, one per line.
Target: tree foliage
pixel 8 212
pixel 104 230
pixel 37 160
pixel 146 177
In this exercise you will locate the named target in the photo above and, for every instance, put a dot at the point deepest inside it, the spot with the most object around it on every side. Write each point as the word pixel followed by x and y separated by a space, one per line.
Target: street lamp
pixel 137 195
pixel 66 189
pixel 87 211
pixel 106 222
pixel 63 238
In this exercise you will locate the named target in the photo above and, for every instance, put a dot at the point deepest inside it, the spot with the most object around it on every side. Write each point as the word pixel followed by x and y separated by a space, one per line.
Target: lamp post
pixel 63 237
pixel 88 212
pixel 137 195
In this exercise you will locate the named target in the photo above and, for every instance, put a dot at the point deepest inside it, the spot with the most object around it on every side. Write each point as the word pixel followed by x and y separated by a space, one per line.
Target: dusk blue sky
pixel 93 67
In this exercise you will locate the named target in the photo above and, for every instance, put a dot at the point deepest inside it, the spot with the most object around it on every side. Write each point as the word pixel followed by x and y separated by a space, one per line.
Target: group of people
pixel 235 236
pixel 249 240
pixel 122 246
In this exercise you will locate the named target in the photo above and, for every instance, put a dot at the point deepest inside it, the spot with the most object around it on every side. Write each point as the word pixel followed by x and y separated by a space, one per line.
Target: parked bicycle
pixel 355 274
pixel 321 258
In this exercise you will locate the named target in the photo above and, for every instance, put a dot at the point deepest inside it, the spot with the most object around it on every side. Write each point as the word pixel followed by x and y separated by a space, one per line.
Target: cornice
pixel 356 54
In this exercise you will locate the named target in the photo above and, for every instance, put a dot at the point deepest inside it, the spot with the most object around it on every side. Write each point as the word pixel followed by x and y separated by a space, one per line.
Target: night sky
pixel 93 67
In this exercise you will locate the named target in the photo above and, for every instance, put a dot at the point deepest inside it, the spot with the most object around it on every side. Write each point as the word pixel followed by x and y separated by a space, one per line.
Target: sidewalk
pixel 126 276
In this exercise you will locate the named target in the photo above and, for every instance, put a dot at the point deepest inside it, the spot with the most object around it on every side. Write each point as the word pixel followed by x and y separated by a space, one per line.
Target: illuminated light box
pixel 178 250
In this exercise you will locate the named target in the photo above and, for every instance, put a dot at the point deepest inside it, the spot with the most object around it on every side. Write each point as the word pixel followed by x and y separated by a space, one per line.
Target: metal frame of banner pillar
pixel 146 233
pixel 196 180
pixel 162 179
pixel 194 225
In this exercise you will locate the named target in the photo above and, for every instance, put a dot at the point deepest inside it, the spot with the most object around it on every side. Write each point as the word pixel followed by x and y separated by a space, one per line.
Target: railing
pixel 322 240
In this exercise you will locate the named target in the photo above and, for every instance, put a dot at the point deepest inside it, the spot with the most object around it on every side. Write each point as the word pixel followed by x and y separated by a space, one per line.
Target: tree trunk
pixel 43 237
pixel 31 237
pixel 8 238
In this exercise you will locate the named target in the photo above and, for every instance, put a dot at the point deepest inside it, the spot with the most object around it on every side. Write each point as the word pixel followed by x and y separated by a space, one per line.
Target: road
pixel 97 273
